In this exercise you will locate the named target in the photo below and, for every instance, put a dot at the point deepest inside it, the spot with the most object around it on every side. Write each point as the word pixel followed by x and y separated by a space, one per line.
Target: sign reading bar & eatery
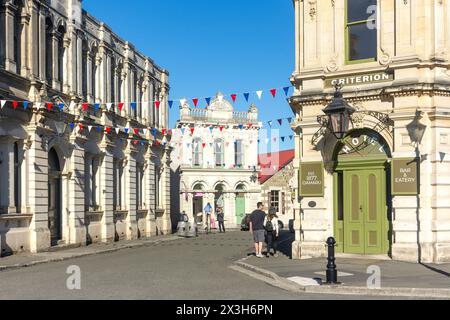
pixel 404 177
pixel 311 179
pixel 359 79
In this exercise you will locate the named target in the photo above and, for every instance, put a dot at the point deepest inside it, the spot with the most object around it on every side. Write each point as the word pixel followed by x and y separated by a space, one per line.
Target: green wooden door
pixel 240 208
pixel 364 211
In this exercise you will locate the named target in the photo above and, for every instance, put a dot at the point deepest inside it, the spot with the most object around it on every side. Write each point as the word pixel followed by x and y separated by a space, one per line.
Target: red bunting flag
pixel 136 130
pixel 135 142
pixel 15 104
pixel 81 126
pixel 85 106
pixel 250 125
pixel 273 92
pixel 157 104
pixel 192 130
pixel 251 141
pixel 120 106
pixel 157 143
pixel 49 106
pixel 204 144
pixel 108 130
pixel 163 131
pixel 233 97
pixel 221 128
pixel 195 101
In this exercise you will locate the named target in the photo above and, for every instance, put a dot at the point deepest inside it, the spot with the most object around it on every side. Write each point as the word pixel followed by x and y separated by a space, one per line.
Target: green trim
pixel 346 34
pixel 338 225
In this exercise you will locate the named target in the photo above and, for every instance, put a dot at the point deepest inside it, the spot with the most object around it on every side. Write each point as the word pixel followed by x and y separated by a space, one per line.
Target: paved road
pixel 187 269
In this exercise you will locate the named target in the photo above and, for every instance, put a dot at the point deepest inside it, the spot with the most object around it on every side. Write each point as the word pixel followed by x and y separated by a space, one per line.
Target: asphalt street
pixel 186 269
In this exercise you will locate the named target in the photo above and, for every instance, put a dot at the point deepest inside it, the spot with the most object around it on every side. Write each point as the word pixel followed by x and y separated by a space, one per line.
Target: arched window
pixel 197 153
pixel 49 50
pixel 219 153
pixel 17 34
pixel 84 72
pixel 61 52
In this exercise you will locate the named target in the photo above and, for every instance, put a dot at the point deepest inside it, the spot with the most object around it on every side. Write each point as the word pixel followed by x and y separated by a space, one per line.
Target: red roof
pixel 271 163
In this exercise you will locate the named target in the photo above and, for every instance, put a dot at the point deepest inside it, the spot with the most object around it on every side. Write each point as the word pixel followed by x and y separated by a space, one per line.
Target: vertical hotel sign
pixel 311 179
pixel 404 177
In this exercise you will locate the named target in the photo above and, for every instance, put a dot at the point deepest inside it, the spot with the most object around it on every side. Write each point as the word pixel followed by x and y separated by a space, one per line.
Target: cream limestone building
pixel 215 156
pixel 393 58
pixel 61 184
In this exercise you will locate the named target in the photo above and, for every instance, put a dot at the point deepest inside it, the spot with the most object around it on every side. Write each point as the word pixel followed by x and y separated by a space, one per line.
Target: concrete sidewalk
pixel 28 259
pixel 397 278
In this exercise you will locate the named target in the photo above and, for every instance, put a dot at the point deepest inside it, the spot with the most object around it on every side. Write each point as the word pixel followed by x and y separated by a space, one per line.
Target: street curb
pixel 87 254
pixel 288 285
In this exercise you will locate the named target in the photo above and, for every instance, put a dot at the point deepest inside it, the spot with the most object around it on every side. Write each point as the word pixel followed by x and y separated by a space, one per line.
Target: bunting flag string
pixel 146 104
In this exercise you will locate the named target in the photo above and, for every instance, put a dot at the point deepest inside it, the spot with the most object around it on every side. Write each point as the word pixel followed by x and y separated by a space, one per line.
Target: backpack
pixel 269 226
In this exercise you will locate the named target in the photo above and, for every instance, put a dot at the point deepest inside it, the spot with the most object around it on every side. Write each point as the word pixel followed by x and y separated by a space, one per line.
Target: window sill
pixel 16 216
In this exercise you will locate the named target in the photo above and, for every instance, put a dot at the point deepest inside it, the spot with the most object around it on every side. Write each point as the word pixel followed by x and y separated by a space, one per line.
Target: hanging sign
pixel 311 179
pixel 404 177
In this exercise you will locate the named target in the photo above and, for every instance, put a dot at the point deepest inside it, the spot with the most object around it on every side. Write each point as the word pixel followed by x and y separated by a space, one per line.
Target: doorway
pixel 361 195
pixel 240 204
pixel 54 197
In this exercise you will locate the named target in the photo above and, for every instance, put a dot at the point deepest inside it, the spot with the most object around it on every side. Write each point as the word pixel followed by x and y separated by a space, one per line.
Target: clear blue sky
pixel 234 46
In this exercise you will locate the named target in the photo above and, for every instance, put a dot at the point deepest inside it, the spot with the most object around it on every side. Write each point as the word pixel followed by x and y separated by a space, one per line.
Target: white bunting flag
pixel 183 102
pixel 2 103
pixel 72 105
pixel 144 105
pixel 219 144
pixel 267 140
pixel 117 130
pixel 259 93
pixel 108 106
pixel 89 128
pixel 38 105
pixel 145 131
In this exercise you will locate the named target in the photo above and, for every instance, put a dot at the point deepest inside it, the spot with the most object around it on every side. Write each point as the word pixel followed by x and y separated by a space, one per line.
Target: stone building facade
pixel 74 174
pixel 215 155
pixel 393 58
pixel 278 181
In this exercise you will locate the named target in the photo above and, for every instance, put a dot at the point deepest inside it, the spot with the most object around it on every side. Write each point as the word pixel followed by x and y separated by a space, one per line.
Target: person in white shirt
pixel 272 231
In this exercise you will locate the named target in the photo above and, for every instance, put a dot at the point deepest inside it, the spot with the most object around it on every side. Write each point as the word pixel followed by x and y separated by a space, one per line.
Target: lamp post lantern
pixel 339 115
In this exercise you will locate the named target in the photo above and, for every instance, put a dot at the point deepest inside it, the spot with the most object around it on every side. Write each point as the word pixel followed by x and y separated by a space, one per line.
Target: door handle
pixel 361 208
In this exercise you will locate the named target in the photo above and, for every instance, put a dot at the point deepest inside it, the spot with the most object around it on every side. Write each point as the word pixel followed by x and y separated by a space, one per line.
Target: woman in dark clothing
pixel 220 219
pixel 272 232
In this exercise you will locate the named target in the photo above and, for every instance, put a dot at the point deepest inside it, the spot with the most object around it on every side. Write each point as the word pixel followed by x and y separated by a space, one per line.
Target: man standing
pixel 220 219
pixel 257 228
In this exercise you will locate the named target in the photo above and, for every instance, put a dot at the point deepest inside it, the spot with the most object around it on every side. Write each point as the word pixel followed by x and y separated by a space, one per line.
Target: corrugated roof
pixel 271 163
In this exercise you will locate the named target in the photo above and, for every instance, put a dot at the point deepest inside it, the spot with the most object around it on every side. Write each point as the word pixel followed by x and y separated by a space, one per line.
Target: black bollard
pixel 331 266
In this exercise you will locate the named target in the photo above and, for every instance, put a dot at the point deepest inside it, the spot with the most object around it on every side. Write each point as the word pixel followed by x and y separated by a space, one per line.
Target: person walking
pixel 272 232
pixel 207 210
pixel 220 220
pixel 257 228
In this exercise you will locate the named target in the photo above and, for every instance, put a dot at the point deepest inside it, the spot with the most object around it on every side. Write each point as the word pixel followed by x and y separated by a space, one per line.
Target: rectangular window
pixel 218 151
pixel 197 153
pixel 139 187
pixel 91 184
pixel 361 31
pixel 238 154
pixel 157 188
pixel 118 185
pixel 17 178
pixel 275 200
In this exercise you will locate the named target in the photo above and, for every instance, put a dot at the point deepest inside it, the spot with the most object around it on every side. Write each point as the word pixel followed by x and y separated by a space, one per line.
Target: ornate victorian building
pixel 381 184
pixel 216 157
pixel 84 168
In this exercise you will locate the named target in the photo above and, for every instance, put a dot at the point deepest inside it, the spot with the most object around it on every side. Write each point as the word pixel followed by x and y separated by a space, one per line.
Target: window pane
pixel 357 10
pixel 362 42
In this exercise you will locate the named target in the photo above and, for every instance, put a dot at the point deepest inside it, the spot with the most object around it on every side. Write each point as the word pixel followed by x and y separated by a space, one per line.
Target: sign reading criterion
pixel 359 79
pixel 311 179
